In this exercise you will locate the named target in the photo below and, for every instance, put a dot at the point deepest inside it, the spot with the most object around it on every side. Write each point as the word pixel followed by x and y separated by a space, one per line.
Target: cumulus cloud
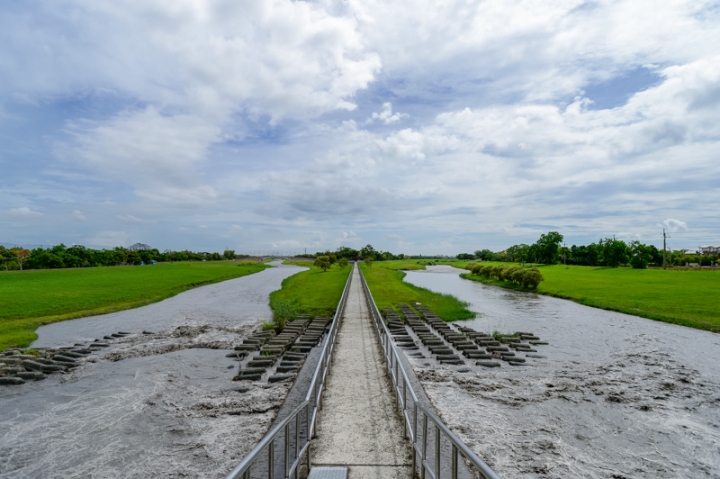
pixel 674 226
pixel 405 143
pixel 24 213
pixel 387 116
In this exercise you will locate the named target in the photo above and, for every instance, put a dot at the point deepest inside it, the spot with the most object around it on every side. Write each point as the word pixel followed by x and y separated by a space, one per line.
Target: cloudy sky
pixel 416 126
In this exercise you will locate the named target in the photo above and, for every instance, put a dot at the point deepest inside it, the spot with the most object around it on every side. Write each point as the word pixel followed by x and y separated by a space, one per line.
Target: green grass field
pixel 33 298
pixel 388 289
pixel 688 298
pixel 315 292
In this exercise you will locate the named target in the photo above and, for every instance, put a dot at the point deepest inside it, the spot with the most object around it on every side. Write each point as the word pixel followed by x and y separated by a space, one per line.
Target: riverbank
pixel 683 297
pixel 388 289
pixel 314 292
pixel 34 298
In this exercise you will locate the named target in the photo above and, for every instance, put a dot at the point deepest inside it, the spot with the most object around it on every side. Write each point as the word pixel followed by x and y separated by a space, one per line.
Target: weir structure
pixel 363 419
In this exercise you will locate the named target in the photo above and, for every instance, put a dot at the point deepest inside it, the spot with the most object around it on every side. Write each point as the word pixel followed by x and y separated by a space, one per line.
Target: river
pixel 150 405
pixel 614 396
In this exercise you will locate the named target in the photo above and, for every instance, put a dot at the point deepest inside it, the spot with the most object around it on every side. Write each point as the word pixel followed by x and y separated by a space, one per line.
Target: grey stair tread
pixel 328 473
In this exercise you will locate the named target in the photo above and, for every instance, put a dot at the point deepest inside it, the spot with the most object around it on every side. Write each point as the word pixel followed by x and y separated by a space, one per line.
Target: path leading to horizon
pixel 358 425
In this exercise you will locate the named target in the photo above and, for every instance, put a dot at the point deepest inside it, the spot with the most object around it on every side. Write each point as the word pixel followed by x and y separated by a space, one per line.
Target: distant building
pixel 710 249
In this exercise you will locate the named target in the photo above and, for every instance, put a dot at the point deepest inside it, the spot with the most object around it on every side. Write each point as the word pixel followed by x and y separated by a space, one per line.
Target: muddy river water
pixel 150 405
pixel 615 396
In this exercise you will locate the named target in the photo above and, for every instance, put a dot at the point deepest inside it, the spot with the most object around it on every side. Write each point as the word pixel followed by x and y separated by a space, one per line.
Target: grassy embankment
pixel 687 298
pixel 315 292
pixel 33 298
pixel 388 289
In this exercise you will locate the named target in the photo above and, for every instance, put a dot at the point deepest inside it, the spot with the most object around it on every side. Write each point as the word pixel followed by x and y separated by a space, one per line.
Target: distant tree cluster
pixel 609 252
pixel 526 277
pixel 365 253
pixel 78 256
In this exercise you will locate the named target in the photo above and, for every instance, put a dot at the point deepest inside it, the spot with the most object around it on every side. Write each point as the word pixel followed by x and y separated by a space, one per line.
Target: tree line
pixel 77 256
pixel 609 252
pixel 366 253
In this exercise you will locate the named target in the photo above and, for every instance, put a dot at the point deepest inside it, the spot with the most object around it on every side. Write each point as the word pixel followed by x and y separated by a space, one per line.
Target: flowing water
pixel 614 396
pixel 150 405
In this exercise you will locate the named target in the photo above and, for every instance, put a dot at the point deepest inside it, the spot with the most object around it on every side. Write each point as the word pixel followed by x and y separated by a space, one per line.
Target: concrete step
pixel 328 473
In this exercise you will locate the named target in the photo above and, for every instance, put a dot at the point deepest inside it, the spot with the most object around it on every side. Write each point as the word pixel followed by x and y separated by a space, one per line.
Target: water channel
pixel 614 396
pixel 152 405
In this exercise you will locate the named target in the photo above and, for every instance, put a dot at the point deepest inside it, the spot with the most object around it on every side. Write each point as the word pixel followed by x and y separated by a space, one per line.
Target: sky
pixel 420 127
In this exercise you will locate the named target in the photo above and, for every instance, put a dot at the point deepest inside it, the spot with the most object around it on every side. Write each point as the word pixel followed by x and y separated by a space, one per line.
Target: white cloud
pixel 386 115
pixel 24 213
pixel 349 234
pixel 79 216
pixel 674 226
pixel 405 143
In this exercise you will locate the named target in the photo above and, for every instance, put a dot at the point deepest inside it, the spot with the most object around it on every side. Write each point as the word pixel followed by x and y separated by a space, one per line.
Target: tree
pixel 368 262
pixel 323 262
pixel 484 255
pixel 21 255
pixel 548 246
pixel 465 256
pixel 368 252
pixel 347 252
pixel 614 252
pixel 342 263
pixel 229 254
pixel 6 256
pixel 640 255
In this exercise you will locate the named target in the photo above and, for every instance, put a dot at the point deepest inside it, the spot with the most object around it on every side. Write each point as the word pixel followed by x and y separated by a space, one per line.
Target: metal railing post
pixel 271 460
pixel 309 421
pixel 437 452
pixel 287 450
pixel 424 448
pixel 297 439
pixel 454 462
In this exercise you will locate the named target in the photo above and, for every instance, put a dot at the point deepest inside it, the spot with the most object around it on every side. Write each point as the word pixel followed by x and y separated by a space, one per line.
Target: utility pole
pixel 664 250
pixel 564 254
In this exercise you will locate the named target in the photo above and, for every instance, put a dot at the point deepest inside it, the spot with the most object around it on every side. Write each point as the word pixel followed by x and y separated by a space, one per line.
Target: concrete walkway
pixel 358 425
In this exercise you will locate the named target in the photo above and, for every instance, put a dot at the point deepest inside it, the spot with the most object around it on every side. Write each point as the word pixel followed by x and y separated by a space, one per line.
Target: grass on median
pixel 314 292
pixel 687 298
pixel 388 289
pixel 33 298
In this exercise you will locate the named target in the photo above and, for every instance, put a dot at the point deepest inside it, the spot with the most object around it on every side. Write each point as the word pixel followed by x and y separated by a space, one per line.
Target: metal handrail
pixel 402 386
pixel 310 405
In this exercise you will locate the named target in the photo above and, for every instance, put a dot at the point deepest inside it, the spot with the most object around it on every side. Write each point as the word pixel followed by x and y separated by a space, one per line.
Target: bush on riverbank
pixel 528 278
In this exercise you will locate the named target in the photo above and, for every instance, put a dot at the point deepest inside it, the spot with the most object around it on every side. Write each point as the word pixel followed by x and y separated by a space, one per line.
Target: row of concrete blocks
pixel 288 349
pixel 478 345
pixel 17 367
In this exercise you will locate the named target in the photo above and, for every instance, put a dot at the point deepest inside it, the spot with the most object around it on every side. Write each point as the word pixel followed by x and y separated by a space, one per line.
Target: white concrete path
pixel 358 425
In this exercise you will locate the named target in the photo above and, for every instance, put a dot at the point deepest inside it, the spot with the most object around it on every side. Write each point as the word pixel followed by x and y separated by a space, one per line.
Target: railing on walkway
pixel 417 415
pixel 296 429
